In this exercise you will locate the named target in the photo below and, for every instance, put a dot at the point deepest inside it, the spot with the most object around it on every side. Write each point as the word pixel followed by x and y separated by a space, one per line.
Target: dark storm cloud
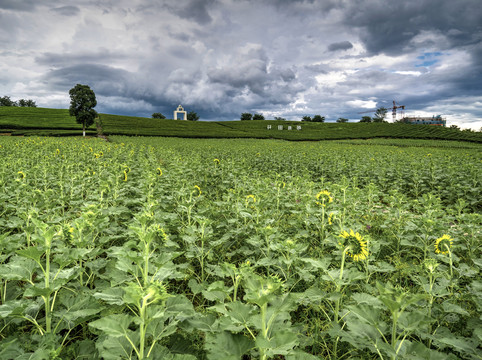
pixel 66 59
pixel 342 45
pixel 223 57
pixel 104 79
pixel 196 10
pixel 19 5
pixel 390 27
pixel 67 10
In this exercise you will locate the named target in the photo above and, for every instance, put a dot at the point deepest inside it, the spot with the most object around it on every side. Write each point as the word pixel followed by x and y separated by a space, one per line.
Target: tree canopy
pixel 192 116
pixel 258 117
pixel 380 114
pixel 6 101
pixel 246 116
pixel 158 116
pixel 82 103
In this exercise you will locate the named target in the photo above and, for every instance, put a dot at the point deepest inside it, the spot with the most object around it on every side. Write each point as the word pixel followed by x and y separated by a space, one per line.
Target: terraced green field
pixel 39 121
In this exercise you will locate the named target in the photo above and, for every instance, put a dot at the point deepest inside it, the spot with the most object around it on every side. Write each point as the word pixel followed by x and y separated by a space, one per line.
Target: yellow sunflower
pixel 323 197
pixel 252 197
pixel 197 190
pixel 443 244
pixel 356 246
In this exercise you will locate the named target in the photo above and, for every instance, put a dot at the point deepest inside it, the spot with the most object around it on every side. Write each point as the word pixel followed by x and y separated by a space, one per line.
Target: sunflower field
pixel 165 248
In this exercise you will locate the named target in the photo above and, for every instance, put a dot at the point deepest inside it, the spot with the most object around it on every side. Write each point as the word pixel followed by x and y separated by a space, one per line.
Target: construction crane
pixel 394 111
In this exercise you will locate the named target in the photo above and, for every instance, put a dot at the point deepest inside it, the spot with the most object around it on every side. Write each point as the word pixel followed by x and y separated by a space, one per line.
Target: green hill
pixel 57 122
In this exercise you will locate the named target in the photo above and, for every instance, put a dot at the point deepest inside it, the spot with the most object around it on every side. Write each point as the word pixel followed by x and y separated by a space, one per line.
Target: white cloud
pixel 364 104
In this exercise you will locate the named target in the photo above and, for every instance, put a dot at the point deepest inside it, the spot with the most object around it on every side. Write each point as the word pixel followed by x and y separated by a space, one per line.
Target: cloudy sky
pixel 220 58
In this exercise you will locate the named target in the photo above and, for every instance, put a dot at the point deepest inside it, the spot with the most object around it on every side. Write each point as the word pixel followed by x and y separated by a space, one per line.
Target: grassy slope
pixel 42 121
pixel 39 121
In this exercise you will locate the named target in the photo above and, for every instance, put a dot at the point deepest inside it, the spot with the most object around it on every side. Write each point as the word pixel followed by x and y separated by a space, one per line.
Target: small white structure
pixel 180 109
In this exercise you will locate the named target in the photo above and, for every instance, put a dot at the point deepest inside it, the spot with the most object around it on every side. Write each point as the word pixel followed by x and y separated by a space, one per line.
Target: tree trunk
pixel 83 128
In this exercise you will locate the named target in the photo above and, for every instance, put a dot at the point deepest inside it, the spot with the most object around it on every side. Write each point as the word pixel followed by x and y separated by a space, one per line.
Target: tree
pixel 26 103
pixel 5 101
pixel 158 116
pixel 342 120
pixel 246 116
pixel 258 117
pixel 306 118
pixel 318 118
pixel 366 119
pixel 82 103
pixel 278 118
pixel 380 115
pixel 192 116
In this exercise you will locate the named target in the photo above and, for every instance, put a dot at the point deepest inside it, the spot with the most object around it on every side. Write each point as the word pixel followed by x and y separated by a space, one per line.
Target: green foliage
pixel 342 120
pixel 6 101
pixel 26 103
pixel 366 119
pixel 158 116
pixel 258 117
pixel 168 248
pixel 246 116
pixel 192 116
pixel 380 115
pixel 316 119
pixel 82 103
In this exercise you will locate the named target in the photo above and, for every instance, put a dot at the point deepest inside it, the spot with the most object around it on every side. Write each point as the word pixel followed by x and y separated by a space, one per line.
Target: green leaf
pixel 195 287
pixel 10 349
pixel 216 291
pixel 113 296
pixel 13 308
pixel 31 253
pixel 453 308
pixel 227 346
pixel 363 298
pixel 19 268
pixel 113 325
pixel 281 343
pixel 115 348
pixel 460 344
pixel 412 321
pixel 366 313
pixel 301 355
pixel 239 311
pixel 418 351
pixel 37 291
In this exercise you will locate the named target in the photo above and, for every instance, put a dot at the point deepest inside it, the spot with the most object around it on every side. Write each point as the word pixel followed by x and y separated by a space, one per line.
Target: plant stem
pixel 264 330
pixel 395 315
pixel 48 319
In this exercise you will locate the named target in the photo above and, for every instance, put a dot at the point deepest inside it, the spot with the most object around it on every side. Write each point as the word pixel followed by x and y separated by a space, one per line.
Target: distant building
pixel 436 120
